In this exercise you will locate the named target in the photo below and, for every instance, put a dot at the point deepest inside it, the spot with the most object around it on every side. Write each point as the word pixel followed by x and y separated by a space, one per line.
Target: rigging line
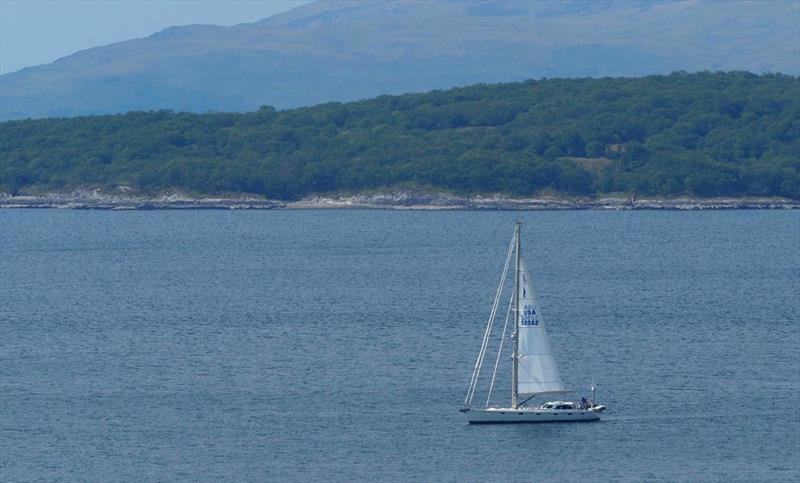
pixel 490 324
pixel 484 343
pixel 493 316
pixel 479 361
pixel 476 371
pixel 500 349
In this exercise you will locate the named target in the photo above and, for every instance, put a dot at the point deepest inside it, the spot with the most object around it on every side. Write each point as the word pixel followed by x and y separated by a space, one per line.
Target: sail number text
pixel 529 317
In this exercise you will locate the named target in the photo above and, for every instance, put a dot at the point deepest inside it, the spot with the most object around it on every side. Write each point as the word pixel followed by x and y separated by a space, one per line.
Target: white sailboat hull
pixel 520 415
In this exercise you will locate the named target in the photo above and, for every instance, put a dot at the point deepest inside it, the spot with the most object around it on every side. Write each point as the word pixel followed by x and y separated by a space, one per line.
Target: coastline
pixel 395 200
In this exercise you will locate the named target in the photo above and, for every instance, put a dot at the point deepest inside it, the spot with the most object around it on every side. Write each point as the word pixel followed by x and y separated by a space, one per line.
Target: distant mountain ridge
pixel 346 50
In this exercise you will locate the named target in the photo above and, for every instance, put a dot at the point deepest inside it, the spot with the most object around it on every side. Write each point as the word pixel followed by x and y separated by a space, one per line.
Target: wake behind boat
pixel 534 371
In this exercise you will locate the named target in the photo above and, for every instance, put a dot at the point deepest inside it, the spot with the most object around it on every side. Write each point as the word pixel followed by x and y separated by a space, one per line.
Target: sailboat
pixel 534 372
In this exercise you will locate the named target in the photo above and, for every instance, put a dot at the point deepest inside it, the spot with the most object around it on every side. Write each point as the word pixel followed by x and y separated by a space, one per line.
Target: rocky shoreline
pixel 96 200
pixel 395 200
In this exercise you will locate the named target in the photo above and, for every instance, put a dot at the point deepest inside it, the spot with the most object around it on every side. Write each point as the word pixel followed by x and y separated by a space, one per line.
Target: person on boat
pixel 584 403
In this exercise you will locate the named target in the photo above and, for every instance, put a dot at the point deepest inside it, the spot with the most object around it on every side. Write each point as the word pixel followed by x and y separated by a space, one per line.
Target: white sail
pixel 538 373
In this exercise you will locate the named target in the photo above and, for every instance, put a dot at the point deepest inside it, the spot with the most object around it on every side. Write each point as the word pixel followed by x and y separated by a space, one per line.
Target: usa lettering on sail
pixel 529 317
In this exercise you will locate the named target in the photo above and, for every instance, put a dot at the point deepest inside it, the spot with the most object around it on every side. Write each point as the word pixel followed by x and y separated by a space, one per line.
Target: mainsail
pixel 537 371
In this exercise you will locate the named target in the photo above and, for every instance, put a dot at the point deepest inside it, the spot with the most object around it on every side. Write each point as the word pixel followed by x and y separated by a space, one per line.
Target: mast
pixel 515 336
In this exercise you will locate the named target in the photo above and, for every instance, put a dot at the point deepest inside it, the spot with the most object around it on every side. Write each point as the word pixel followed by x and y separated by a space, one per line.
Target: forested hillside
pixel 706 134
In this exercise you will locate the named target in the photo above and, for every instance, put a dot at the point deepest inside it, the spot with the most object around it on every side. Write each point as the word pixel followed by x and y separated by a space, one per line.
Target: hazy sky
pixel 34 32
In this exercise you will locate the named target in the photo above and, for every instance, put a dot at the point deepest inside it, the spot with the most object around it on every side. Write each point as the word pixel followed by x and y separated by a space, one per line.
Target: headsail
pixel 538 373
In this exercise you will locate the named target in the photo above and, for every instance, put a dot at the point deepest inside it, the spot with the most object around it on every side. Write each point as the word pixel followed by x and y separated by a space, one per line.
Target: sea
pixel 338 345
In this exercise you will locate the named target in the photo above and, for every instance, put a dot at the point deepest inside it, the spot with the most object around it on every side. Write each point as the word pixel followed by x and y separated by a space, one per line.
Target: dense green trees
pixel 708 134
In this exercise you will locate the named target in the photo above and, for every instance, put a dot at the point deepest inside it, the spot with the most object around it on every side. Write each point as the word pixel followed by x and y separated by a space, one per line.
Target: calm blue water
pixel 337 345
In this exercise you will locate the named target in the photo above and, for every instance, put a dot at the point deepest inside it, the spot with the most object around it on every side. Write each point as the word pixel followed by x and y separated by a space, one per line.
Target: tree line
pixel 705 134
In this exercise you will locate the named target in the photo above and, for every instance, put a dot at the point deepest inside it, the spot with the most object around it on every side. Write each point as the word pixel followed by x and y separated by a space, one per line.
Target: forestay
pixel 538 373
